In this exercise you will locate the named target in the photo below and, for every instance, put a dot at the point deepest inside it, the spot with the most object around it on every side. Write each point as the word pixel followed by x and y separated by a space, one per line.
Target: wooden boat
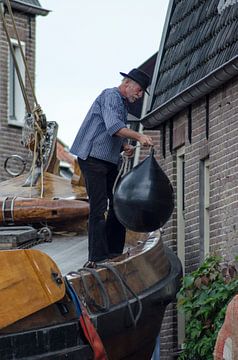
pixel 126 300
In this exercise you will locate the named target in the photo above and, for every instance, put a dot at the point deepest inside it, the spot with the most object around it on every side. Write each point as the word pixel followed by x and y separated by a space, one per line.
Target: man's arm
pixel 134 135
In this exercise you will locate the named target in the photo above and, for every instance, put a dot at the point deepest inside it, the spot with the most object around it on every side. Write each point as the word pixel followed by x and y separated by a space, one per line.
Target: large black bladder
pixel 144 198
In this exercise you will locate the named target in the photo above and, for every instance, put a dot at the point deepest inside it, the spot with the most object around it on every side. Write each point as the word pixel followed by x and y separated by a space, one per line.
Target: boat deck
pixel 68 251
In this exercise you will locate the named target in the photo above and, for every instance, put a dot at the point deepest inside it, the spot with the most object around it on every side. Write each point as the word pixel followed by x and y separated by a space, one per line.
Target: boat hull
pixel 121 339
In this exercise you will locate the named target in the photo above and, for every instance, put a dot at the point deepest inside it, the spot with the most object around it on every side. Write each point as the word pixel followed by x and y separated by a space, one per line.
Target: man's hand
pixel 128 149
pixel 145 140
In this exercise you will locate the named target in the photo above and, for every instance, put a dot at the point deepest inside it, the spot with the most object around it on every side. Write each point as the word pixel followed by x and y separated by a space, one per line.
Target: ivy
pixel 203 298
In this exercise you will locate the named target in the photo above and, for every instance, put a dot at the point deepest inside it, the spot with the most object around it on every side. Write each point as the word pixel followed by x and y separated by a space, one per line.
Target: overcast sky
pixel 81 48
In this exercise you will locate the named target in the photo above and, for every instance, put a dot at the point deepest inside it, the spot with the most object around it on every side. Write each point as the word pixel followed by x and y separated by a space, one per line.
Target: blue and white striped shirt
pixel 96 138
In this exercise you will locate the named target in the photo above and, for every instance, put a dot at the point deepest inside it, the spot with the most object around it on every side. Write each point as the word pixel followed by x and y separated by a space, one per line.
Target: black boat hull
pixel 121 339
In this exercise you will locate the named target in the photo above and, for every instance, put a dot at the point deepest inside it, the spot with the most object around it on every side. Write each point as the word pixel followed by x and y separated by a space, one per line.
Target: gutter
pixel 194 92
pixel 27 8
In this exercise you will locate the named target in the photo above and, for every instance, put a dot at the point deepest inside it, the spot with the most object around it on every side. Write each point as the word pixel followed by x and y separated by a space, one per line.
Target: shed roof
pixel 29 6
pixel 200 41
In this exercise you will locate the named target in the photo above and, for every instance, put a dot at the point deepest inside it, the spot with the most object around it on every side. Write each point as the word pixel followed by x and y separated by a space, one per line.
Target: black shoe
pixel 90 265
pixel 93 264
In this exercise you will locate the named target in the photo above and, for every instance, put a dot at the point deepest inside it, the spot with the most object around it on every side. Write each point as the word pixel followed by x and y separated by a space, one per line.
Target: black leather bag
pixel 144 198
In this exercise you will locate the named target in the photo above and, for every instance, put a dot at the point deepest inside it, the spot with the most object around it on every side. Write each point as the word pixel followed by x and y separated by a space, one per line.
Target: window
pixel 16 100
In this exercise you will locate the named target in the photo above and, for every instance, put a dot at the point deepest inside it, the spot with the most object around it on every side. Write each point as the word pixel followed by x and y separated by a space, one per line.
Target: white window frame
pixel 16 104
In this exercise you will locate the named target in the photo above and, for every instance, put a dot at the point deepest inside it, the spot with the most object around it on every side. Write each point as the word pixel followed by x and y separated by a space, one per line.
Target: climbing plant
pixel 203 298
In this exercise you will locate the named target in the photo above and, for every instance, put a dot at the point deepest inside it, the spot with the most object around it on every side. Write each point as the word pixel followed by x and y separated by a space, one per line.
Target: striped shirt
pixel 96 138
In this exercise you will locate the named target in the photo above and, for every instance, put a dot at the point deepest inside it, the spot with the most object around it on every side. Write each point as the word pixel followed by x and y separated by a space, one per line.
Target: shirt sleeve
pixel 113 112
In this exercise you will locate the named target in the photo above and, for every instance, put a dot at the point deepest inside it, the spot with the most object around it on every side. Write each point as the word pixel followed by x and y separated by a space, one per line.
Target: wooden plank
pixel 29 281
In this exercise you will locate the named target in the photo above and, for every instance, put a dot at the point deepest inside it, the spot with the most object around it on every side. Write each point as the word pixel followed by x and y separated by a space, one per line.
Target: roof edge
pixel 196 91
pixel 27 8
pixel 160 52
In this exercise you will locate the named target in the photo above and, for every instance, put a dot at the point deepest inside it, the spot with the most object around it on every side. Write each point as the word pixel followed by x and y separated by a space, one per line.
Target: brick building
pixel 12 106
pixel 192 114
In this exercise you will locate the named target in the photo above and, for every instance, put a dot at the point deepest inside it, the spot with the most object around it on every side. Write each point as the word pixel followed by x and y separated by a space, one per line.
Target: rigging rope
pixel 89 300
pixel 123 284
pixel 125 287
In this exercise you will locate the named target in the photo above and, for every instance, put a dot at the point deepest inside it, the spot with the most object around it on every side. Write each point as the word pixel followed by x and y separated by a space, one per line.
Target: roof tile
pixel 199 40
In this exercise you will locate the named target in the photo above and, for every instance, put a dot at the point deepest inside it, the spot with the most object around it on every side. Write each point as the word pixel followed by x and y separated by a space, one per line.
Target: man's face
pixel 133 91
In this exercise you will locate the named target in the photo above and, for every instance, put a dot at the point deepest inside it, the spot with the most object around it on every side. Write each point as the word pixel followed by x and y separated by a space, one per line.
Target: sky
pixel 81 48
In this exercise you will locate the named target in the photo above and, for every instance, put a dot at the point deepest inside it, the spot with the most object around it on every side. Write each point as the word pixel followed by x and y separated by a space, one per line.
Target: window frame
pixel 16 103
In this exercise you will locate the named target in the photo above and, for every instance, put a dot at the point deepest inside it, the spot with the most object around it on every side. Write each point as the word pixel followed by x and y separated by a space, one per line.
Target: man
pixel 100 139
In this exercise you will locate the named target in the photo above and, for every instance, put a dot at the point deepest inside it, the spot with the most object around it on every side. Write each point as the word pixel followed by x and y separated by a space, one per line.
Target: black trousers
pixel 106 235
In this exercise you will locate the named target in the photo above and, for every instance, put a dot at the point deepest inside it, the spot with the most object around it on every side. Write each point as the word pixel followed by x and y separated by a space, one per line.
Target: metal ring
pixel 45 233
pixel 17 157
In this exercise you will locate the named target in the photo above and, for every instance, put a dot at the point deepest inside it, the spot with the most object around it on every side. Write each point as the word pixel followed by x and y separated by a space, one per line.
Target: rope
pixel 41 170
pixel 103 293
pixel 127 165
pixel 123 284
pixel 124 168
pixel 32 170
pixel 73 296
pixel 87 325
pixel 124 287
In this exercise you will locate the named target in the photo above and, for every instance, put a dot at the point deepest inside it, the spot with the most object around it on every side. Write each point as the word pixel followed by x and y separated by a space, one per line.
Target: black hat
pixel 140 77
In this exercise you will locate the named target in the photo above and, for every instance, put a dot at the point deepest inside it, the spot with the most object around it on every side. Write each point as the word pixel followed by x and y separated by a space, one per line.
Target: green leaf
pixel 203 298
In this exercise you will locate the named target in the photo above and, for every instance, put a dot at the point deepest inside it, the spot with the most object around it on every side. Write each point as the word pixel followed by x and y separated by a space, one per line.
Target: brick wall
pixel 224 169
pixel 168 333
pixel 10 136
pixel 221 147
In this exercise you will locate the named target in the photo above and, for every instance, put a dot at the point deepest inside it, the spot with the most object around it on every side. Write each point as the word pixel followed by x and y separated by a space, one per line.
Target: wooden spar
pixel 21 210
pixel 62 206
